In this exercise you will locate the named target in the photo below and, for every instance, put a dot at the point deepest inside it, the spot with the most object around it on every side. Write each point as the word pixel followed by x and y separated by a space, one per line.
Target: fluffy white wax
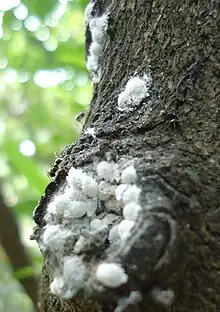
pixel 111 275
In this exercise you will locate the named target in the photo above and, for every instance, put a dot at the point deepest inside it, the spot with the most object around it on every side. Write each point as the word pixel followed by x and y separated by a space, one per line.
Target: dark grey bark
pixel 174 139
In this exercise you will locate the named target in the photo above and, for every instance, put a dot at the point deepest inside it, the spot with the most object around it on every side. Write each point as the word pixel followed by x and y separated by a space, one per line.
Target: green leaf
pixel 25 207
pixel 25 272
pixel 8 19
pixel 39 8
pixel 25 166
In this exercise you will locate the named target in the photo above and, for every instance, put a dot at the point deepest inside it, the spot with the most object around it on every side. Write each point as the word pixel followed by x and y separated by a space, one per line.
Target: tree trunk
pixel 171 137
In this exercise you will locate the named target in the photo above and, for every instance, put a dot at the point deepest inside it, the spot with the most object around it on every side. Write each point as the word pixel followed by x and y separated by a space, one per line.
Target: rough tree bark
pixel 173 136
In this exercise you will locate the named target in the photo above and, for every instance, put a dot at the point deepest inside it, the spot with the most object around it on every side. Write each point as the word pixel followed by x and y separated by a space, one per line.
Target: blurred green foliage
pixel 43 86
pixel 12 296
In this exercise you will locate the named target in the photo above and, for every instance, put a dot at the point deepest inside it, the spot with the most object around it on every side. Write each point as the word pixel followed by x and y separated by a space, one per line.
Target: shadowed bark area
pixel 174 138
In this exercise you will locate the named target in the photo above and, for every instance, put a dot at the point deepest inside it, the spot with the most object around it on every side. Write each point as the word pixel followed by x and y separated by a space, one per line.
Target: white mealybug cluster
pixel 88 12
pixel 54 237
pixel 135 91
pixel 108 171
pixel 124 228
pixel 111 275
pixel 131 210
pixel 91 205
pixel 90 131
pixel 127 195
pixel 78 200
pixel 133 298
pixel 82 182
pixel 113 235
pixel 72 279
pixel 129 175
pixel 74 272
pixel 98 27
pixel 98 225
pixel 164 297
pixel 106 190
